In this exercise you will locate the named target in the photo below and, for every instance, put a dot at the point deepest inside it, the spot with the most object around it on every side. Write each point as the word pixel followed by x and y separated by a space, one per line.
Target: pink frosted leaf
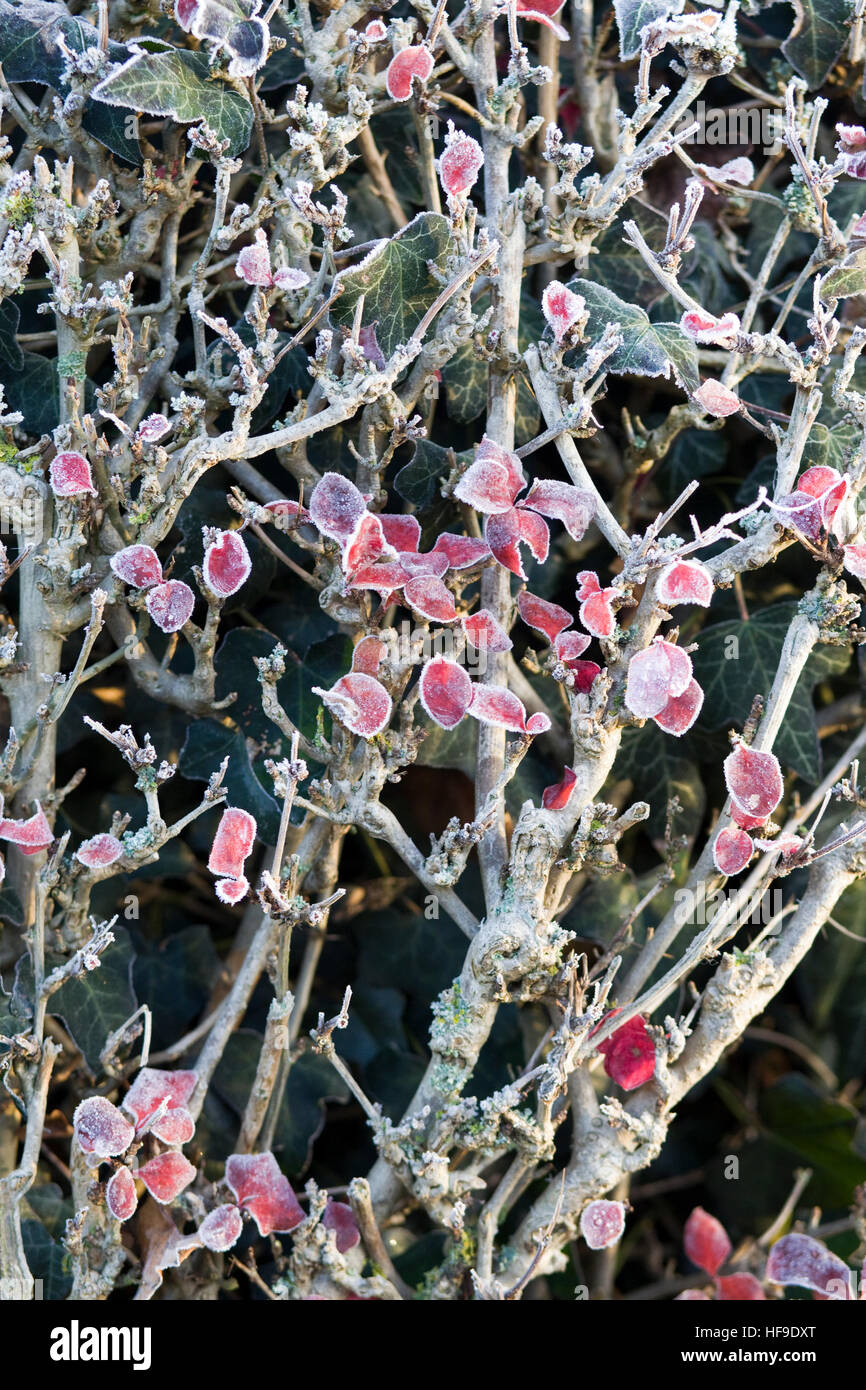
pixel 336 506
pixel 705 1241
pixel 654 676
pixel 716 399
pixel 629 1054
pixel 732 850
pixel 367 655
pixel 253 264
pixel 681 711
pixel 175 1127
pixel 740 170
pixel 744 821
pixel 416 61
pixel 602 1224
pixel 806 1262
pixel 693 1296
pixel 485 633
pixel 800 512
pixel 547 618
pixel 704 328
pixel 562 308
pixel 460 164
pixel 232 890
pixel 166 1176
pixel 70 475
pixel 99 851
pixel 257 1184
pixel 585 673
pixel 461 552
pixel 151 1088
pixel 828 488
pixel 234 839
pixel 32 835
pixel 740 1288
pixel 359 702
pixel 170 604
pixel 376 31
pixel 221 1228
pixel 557 797
pixel 493 480
pixel 855 560
pixel 852 138
pixel 570 646
pixel 120 1195
pixel 402 532
pixel 383 578
pixel 433 562
pixel 366 544
pixel 542 12
pixel 101 1129
pixel 339 1218
pixel 430 598
pixel 446 691
pixel 137 565
pixel 686 581
pixel 562 502
pixel 786 845
pixel 369 345
pixel 596 612
pixel 153 429
pixel 505 533
pixel 227 564
pixel 284 512
pixel 288 278
pixel 495 704
pixel 754 781
pixel 538 723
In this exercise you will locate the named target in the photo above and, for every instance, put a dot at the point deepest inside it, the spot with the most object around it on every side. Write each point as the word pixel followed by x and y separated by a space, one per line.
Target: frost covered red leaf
pixel 137 565
pixel 596 612
pixel 166 1176
pixel 806 1262
pixel 170 604
pixel 716 399
pixel 493 480
pixel 685 581
pixel 495 704
pixel 227 564
pixel 655 676
pixel 367 655
pixel 153 1089
pixel 754 780
pixel 542 12
pixel 505 532
pixel 732 850
pixel 485 633
pixel 261 1189
pixel 360 702
pixel 563 502
pixel 545 617
pixel 461 552
pixel 629 1054
pixel 416 61
pixel 175 1128
pixel 99 851
pixel 336 506
pixel 705 1241
pixel 120 1195
pixel 221 1228
pixel 101 1129
pixel 557 797
pixel 562 308
pixel 30 835
pixel 401 532
pixel 366 544
pixel 70 476
pixel 429 597
pixel 740 1288
pixel 602 1223
pixel 460 163
pixel 232 843
pixel 446 691
pixel 339 1218
pixel 681 711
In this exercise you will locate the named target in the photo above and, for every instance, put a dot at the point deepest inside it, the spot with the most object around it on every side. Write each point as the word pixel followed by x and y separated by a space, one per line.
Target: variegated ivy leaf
pixel 395 281
pixel 173 82
pixel 648 349
pixel 229 24
pixel 632 15
pixel 818 37
pixel 847 279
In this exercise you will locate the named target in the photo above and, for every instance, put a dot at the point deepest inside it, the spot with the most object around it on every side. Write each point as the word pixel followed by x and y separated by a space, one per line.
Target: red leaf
pixel 855 560
pixel 166 1176
pixel 261 1189
pixel 547 618
pixel 138 565
pixel 542 11
pixel 495 704
pixel 506 531
pixel 170 604
pixel 339 1218
pixel 336 506
pixel 461 552
pixel 234 839
pixel 153 1088
pixel 152 429
pixel 366 544
pixel 654 676
pixel 99 851
pixel 806 1262
pixel 485 633
pixel 538 723
pixel 744 821
pixel 740 1288
pixel 563 502
pixel 367 655
pixel 402 532
pixel 585 673
pixel 253 264
pixel 70 475
pixel 686 581
pixel 227 564
pixel 286 514
pixel 569 646
pixel 596 612
pixel 704 328
pixel 557 797
pixel 732 850
pixel 120 1195
pixel 221 1228
pixel 754 781
pixel 232 890
pixel 602 1224
pixel 32 835
pixel 828 489
pixel 629 1054
pixel 446 691
pixel 716 399
pixel 416 61
pixel 101 1129
pixel 493 480
pixel 681 711
pixel 705 1241
pixel 431 598
pixel 359 702
pixel 174 1128
pixel 384 578
pixel 562 308
pixel 460 164
pixel 432 563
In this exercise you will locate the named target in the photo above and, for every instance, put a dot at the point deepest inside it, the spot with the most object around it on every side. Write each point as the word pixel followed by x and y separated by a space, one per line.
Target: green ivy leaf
pixel 175 976
pixel 819 34
pixel 10 352
pixel 98 1003
pixel 465 376
pixel 847 279
pixel 48 1261
pixel 632 15
pixel 661 769
pixel 831 444
pixel 395 281
pixel 648 349
pixel 207 743
pixel 177 83
pixel 419 481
